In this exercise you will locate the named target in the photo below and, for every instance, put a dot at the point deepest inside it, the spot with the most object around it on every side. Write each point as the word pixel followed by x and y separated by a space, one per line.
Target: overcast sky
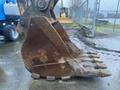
pixel 109 4
pixel 105 4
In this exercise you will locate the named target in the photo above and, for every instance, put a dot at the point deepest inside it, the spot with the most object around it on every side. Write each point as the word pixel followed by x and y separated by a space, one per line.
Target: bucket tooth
pixel 65 77
pixel 104 73
pixel 89 55
pixel 96 60
pixel 95 65
pixel 91 72
pixel 92 53
pixel 35 76
pixel 50 78
pixel 93 60
pixel 100 66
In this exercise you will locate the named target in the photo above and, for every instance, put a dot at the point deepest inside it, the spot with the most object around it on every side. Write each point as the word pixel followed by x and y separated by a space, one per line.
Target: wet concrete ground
pixel 14 76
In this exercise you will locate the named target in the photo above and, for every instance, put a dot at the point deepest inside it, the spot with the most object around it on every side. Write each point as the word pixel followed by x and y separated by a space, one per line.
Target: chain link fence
pixel 108 21
pixel 97 19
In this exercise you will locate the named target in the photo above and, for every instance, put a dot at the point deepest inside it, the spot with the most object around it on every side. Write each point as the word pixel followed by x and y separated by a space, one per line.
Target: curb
pixel 93 45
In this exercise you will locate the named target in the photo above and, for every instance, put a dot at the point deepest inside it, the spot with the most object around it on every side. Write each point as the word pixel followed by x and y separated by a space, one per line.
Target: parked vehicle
pixel 9 17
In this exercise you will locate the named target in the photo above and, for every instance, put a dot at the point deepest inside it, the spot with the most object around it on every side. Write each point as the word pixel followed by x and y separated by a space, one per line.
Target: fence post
pixel 94 18
pixel 116 16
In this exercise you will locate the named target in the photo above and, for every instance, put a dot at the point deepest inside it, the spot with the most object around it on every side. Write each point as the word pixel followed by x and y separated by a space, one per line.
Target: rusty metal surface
pixel 23 5
pixel 47 50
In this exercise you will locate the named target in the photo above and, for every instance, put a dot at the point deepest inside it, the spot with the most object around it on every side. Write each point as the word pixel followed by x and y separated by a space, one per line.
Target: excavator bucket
pixel 47 50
